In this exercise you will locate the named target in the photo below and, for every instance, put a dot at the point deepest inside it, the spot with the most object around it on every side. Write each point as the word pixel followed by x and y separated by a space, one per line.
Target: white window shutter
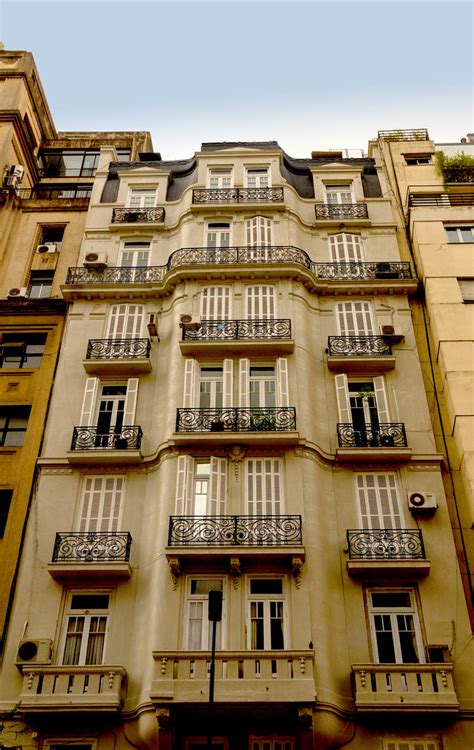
pixel 216 303
pixel 130 401
pixel 227 400
pixel 283 397
pixel 251 226
pixel 184 486
pixel 244 378
pixel 89 402
pixel 218 487
pixel 381 399
pixel 342 396
pixel 190 370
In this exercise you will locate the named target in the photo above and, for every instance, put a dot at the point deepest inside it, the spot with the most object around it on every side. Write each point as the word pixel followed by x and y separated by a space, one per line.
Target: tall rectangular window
pixel 13 424
pixel 258 177
pixel 264 486
pixel 395 629
pixel 339 194
pixel 5 502
pixel 216 303
pixel 355 318
pixel 142 198
pixel 22 350
pixel 260 302
pixel 135 255
pixel 266 612
pixel 85 628
pixel 220 178
pixel 218 235
pixel 346 248
pixel 101 503
pixel 378 501
pixel 198 629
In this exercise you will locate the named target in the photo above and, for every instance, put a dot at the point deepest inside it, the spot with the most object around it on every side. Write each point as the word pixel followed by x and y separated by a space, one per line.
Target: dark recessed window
pixel 5 502
pixel 69 162
pixel 52 235
pixel 13 424
pixel 417 159
pixel 19 350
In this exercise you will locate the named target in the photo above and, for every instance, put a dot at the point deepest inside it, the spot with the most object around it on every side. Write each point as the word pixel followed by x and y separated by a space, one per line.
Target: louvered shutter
pixel 381 400
pixel 258 231
pixel 342 396
pixel 346 248
pixel 218 487
pixel 355 318
pixel 89 402
pixel 216 303
pixel 227 400
pixel 130 401
pixel 101 504
pixel 125 321
pixel 467 289
pixel 190 371
pixel 184 486
pixel 283 398
pixel 261 302
pixel 263 487
pixel 244 378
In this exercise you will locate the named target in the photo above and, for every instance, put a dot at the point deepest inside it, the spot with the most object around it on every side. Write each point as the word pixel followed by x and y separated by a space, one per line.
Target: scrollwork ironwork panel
pixel 237 195
pixel 387 435
pixel 385 544
pixel 118 349
pixel 133 215
pixel 212 330
pixel 89 438
pixel 219 531
pixel 341 211
pixel 116 275
pixel 93 546
pixel 358 346
pixel 363 271
pixel 268 419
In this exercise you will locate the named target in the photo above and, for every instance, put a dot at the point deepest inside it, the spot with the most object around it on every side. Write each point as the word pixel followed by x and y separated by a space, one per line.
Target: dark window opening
pixel 52 235
pixel 19 350
pixel 5 502
pixel 13 424
pixel 70 162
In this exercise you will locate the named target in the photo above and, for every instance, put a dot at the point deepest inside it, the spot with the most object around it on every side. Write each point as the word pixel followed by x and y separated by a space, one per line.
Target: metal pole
pixel 214 615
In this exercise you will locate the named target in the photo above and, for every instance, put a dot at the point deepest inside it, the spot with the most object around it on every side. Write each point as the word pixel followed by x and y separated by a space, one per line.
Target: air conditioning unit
pixel 17 292
pixel 13 176
pixel 95 260
pixel 422 502
pixel 47 247
pixel 34 651
pixel 190 322
pixel 392 333
pixel 152 327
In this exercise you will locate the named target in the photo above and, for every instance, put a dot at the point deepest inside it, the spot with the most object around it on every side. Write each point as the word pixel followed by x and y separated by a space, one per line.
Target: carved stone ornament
pixel 296 570
pixel 236 455
pixel 175 570
pixel 235 571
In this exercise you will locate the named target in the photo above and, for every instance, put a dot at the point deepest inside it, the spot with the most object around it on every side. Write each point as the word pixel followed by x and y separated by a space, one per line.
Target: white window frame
pixel 355 318
pixel 99 493
pixel 378 500
pixel 263 387
pixel 345 247
pixel 393 612
pixel 192 381
pixel 268 600
pixel 379 394
pixel 466 287
pixel 88 614
pixel 93 394
pixel 399 743
pixel 216 302
pixel 217 496
pixel 139 252
pixel 260 302
pixel 338 190
pixel 221 174
pixel 282 383
pixel 458 228
pixel 220 229
pixel 259 236
pixel 259 172
pixel 141 197
pixel 125 321
pixel 203 599
pixel 271 743
pixel 264 486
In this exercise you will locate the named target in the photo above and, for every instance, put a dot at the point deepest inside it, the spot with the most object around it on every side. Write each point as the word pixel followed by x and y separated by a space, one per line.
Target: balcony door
pixel 201 487
pixel 208 386
pixel 362 403
pixel 85 629
pixel 257 178
pixel 394 626
pixel 259 234
pixel 263 384
pixel 125 322
pixel 355 319
pixel 346 248
pixel 143 198
pixel 337 195
pixel 263 487
pixel 378 501
pixel 101 506
pixel 135 255
pixel 109 406
pixel 266 614
pixel 198 629
pixel 220 179
pixel 260 302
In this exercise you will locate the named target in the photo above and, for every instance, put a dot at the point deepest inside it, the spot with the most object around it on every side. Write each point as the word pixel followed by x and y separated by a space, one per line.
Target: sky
pixel 312 75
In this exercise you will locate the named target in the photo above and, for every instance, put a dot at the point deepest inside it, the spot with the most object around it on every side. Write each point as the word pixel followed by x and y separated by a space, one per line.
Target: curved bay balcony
pixel 380 552
pixel 206 196
pixel 360 354
pixel 91 554
pixel 381 270
pixel 386 441
pixel 117 355
pixel 341 211
pixel 239 335
pixel 274 424
pixel 138 215
pixel 91 445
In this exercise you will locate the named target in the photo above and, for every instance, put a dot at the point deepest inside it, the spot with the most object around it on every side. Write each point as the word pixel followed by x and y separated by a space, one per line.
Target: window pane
pixel 266 586
pixel 384 639
pixel 90 601
pixel 204 585
pixel 391 599
pixel 467 234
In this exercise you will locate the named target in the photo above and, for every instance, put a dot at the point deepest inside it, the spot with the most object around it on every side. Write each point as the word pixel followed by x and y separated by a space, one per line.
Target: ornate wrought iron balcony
pixel 89 438
pixel 363 271
pixel 238 195
pixel 118 349
pixel 388 435
pixel 239 329
pixel 385 544
pixel 236 255
pixel 265 419
pixel 134 215
pixel 90 547
pixel 358 346
pixel 341 211
pixel 412 134
pixel 223 531
pixel 116 275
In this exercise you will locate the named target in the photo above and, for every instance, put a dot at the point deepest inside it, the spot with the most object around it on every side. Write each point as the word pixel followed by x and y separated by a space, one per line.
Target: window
pixel 70 162
pixel 266 602
pixel 467 290
pixel 355 319
pixel 378 501
pixel 263 487
pixel 85 629
pixel 125 321
pixel 201 487
pixel 260 302
pixel 259 233
pixel 362 403
pixel 395 630
pixel 41 283
pixel 5 502
pixel 262 386
pixel 52 235
pixel 101 503
pixel 257 178
pixel 13 424
pixel 272 743
pixel 142 198
pixel 70 746
pixel 220 178
pixel 211 387
pixel 393 744
pixel 19 350
pixel 414 160
pixel 109 405
pixel 461 234
pixel 198 630
pixel 208 386
pixel 339 194
pixel 216 303
pixel 346 248
pixel 135 255
pixel 218 235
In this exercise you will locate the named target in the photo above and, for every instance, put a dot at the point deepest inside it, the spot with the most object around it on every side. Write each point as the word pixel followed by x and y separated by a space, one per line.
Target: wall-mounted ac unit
pixel 13 176
pixel 17 292
pixel 392 333
pixel 95 260
pixel 190 322
pixel 422 502
pixel 34 651
pixel 47 247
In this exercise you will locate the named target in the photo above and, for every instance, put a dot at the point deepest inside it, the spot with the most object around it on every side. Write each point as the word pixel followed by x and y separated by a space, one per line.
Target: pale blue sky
pixel 309 74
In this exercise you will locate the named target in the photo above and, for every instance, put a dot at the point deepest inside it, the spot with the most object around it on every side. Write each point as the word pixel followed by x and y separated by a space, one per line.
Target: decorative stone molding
pixel 235 571
pixel 296 570
pixel 236 456
pixel 175 570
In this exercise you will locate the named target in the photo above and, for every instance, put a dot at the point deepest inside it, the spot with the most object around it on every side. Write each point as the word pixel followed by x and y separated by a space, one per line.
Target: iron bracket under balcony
pixel 89 445
pixel 368 354
pixel 385 442
pixel 275 425
pixel 381 552
pixel 94 554
pixel 239 336
pixel 117 356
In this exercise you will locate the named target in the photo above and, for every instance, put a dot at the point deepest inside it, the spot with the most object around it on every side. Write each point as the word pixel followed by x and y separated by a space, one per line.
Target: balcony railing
pixel 134 215
pixel 412 134
pixel 458 173
pixel 341 211
pixel 215 330
pixel 363 271
pixel 358 346
pixel 118 349
pixel 56 192
pixel 265 419
pixel 388 435
pixel 90 438
pixel 91 547
pixel 446 200
pixel 238 195
pixel 223 531
pixel 66 688
pixel 236 255
pixel 385 544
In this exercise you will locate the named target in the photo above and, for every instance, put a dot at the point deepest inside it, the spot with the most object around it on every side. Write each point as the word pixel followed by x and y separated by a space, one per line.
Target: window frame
pixel 458 228
pixel 135 247
pixel 85 519
pixel 143 194
pixel 206 630
pixel 5 430
pixel 216 171
pixel 338 189
pixel 89 613
pixel 42 280
pixel 22 339
pixel 259 170
pixel 6 497
pixel 365 520
pixel 219 228
pixel 267 599
pixel 411 743
pixel 393 612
